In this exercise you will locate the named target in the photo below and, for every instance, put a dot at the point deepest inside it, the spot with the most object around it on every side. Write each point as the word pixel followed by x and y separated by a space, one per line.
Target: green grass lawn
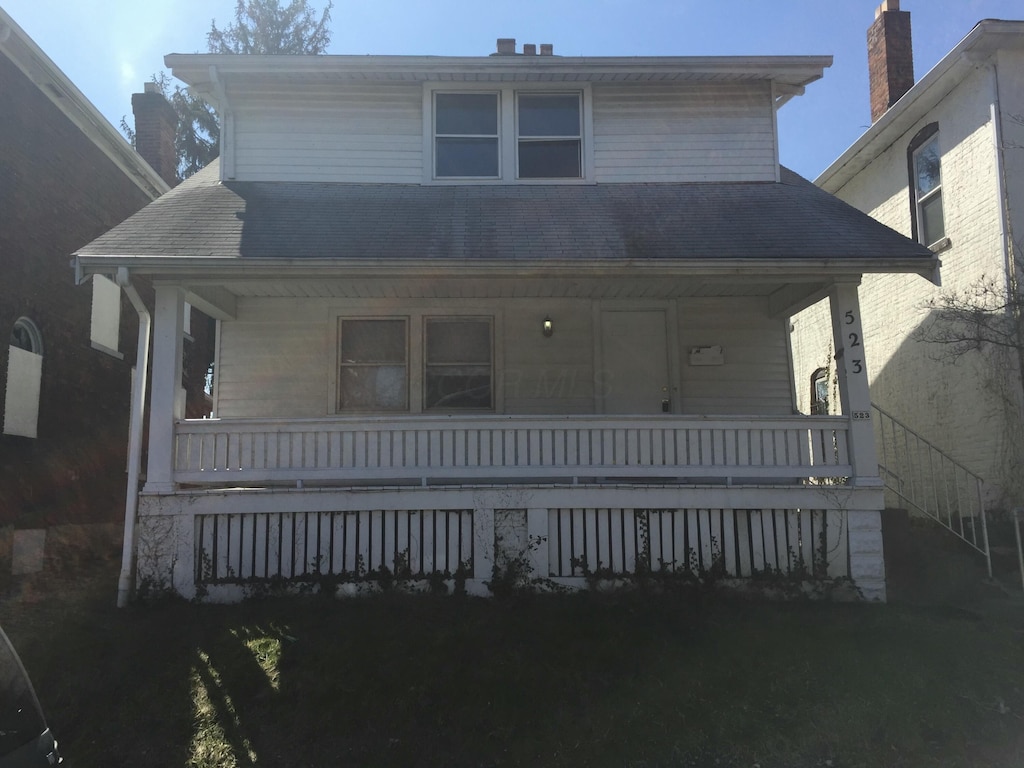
pixel 560 680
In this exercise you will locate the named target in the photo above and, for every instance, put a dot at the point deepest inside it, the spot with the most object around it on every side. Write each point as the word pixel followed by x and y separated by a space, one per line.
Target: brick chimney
pixel 890 57
pixel 155 124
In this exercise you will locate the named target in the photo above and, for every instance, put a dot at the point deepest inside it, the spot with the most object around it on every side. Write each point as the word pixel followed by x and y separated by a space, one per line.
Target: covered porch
pixel 443 384
pixel 629 484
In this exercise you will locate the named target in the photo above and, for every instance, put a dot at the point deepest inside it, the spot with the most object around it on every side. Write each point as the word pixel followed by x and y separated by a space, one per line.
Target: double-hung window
pixel 373 364
pixel 928 188
pixel 925 166
pixel 550 136
pixel 466 135
pixel 507 134
pixel 457 363
pixel 415 363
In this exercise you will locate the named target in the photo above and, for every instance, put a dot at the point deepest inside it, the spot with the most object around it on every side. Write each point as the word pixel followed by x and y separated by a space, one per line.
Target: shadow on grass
pixel 565 680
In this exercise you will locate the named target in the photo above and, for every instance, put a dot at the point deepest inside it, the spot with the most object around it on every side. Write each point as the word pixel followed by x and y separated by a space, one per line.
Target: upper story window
pixel 926 186
pixel 550 136
pixel 466 135
pixel 507 134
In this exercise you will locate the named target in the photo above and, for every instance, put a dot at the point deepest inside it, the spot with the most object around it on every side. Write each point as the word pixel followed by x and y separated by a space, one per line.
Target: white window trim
pixel 508 140
pixel 919 200
pixel 434 136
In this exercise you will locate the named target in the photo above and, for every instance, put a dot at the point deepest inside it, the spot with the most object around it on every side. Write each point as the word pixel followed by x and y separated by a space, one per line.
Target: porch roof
pixel 747 225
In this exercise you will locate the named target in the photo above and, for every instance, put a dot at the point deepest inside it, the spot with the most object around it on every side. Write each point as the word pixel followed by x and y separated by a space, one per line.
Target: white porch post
pixel 166 403
pixel 867 567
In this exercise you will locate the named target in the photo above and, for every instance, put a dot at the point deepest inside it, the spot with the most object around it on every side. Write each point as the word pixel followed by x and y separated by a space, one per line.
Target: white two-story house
pixel 488 310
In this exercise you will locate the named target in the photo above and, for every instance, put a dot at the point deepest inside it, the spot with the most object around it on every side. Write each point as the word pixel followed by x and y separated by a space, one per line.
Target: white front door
pixel 634 373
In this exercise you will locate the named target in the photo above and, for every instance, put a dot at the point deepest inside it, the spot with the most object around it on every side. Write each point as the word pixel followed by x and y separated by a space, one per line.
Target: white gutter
pixel 138 407
pixel 212 270
pixel 995 112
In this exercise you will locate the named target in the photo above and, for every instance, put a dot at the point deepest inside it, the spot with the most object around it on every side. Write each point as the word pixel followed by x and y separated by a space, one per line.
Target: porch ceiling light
pixel 547 327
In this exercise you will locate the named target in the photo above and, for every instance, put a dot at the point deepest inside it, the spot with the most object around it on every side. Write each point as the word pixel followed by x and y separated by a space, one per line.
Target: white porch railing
pixel 501 449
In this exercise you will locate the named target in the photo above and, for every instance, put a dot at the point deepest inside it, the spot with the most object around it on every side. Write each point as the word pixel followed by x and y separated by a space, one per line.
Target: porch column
pixel 864 524
pixel 167 403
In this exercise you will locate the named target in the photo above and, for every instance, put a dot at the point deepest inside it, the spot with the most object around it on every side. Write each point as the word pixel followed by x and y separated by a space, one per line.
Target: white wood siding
pixel 755 377
pixel 374 133
pixel 549 375
pixel 693 132
pixel 350 133
pixel 277 356
pixel 272 361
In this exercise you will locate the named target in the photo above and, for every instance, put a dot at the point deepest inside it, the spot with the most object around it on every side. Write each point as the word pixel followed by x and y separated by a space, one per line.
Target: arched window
pixel 924 166
pixel 24 379
pixel 819 392
pixel 25 335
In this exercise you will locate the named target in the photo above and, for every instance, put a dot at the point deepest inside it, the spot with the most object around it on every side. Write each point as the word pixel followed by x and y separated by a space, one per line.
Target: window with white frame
pixel 466 135
pixel 507 134
pixel 550 136
pixel 452 368
pixel 926 186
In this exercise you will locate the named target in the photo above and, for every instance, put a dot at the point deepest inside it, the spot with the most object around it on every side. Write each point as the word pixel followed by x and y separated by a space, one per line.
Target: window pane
pixel 373 341
pixel 551 115
pixel 373 387
pixel 458 341
pixel 458 364
pixel 933 227
pixel 466 114
pixel 927 168
pixel 464 386
pixel 549 159
pixel 467 157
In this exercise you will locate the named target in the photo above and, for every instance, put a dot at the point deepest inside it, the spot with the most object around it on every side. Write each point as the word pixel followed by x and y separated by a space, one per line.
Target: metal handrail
pixel 932 482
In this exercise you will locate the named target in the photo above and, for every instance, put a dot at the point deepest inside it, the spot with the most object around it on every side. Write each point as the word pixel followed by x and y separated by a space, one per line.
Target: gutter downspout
pixel 1005 226
pixel 135 424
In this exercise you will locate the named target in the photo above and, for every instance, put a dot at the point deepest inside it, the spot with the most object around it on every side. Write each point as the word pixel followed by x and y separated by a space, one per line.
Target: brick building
pixel 66 176
pixel 942 164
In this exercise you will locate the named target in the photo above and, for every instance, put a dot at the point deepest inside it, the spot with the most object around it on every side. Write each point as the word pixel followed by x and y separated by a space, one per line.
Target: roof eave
pixel 55 85
pixel 174 267
pixel 796 71
pixel 986 36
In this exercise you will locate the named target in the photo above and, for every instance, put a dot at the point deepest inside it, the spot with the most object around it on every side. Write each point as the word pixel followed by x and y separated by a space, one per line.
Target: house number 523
pixel 854 339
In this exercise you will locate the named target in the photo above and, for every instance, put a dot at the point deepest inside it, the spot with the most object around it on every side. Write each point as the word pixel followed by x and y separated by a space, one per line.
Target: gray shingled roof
pixel 204 218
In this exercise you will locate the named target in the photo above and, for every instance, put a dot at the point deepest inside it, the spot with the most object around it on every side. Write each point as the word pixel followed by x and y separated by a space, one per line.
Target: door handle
pixel 666 405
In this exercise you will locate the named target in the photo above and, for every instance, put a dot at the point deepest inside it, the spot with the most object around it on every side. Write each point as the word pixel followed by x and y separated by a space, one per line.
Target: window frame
pixel 339 363
pixel 508 144
pixel 450 318
pixel 435 135
pixel 925 138
pixel 820 374
pixel 416 314
pixel 520 139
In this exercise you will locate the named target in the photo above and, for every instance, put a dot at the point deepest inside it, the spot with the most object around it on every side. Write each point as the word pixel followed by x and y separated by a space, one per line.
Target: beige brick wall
pixel 959 407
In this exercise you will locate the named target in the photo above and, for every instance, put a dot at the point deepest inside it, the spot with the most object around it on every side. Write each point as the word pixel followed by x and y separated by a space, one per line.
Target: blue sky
pixel 108 48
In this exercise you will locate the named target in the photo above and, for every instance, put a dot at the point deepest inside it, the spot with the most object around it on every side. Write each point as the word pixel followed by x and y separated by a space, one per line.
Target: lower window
pixel 374 366
pixel 374 372
pixel 457 363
